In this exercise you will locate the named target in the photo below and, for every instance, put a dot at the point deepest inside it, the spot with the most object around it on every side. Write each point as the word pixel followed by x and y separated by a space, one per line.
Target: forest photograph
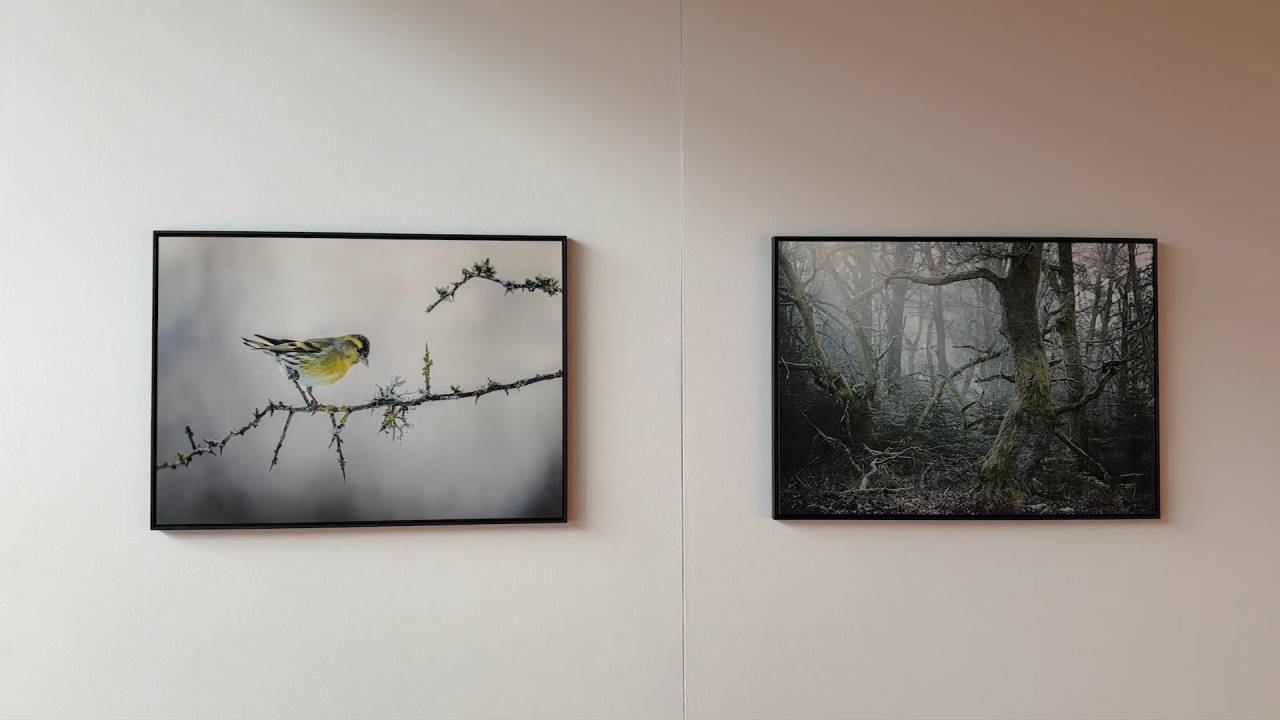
pixel 965 378
pixel 335 379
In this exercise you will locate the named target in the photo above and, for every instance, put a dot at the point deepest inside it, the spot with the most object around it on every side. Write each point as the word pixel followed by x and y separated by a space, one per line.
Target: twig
pixel 832 442
pixel 484 271
pixel 881 458
pixel 992 378
pixel 307 400
pixel 275 456
pixel 1109 370
pixel 336 439
pixel 215 447
pixel 975 361
pixel 1098 468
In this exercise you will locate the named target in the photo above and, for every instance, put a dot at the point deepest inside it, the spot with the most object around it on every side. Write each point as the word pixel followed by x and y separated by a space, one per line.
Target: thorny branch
pixel 484 270
pixel 398 403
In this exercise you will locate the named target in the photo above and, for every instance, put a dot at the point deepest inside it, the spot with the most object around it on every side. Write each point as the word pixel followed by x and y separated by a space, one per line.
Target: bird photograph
pixel 268 412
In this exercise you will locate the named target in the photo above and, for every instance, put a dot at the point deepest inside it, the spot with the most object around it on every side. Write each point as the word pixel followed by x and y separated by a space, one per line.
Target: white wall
pixel 118 118
pixel 954 118
pixel 1070 118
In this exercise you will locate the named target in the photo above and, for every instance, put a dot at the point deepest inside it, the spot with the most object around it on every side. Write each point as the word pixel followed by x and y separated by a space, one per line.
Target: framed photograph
pixel 965 378
pixel 345 379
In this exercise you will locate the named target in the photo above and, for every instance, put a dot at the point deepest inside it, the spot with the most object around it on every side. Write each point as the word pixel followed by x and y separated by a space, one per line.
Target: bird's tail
pixel 261 342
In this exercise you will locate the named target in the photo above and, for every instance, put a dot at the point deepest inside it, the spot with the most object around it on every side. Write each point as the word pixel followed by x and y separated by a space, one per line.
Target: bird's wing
pixel 287 347
pixel 299 347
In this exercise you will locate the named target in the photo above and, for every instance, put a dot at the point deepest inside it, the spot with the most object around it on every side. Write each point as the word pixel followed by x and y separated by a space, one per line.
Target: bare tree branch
pixel 1109 370
pixel 215 446
pixel 880 459
pixel 335 441
pixel 997 376
pixel 275 456
pixel 1096 467
pixel 484 270
pixel 833 443
pixel 973 274
pixel 976 360
pixel 399 404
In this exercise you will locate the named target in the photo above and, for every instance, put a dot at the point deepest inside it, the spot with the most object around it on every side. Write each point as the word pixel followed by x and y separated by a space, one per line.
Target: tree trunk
pixel 897 303
pixel 857 297
pixel 913 346
pixel 939 322
pixel 1069 331
pixel 1134 441
pixel 857 412
pixel 867 278
pixel 1027 429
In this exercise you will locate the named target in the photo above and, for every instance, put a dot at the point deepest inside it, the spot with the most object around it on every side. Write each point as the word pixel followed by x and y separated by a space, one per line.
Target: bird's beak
pixel 365 359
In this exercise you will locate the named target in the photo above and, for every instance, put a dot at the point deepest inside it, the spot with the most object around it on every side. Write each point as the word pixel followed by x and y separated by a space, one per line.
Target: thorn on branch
pixel 275 456
pixel 336 439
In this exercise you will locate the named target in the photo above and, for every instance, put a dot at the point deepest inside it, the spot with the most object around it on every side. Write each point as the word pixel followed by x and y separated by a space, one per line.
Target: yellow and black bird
pixel 319 361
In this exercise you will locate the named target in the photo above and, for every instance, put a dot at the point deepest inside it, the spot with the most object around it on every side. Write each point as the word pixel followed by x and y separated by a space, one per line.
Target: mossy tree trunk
pixel 857 310
pixel 856 421
pixel 1026 431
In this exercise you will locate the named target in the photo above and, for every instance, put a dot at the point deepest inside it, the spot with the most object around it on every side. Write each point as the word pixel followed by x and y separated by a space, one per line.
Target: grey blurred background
pixel 498 458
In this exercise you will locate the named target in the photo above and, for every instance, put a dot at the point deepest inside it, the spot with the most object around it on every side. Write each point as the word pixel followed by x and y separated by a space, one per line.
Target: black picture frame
pixel 561 518
pixel 778 513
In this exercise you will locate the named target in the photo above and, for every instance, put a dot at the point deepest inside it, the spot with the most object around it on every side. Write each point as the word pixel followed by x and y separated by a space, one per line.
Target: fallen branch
pixel 881 458
pixel 832 442
pixel 937 393
pixel 1098 469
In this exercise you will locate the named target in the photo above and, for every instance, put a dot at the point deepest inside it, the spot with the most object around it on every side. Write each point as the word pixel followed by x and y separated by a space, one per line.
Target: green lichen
pixel 426 368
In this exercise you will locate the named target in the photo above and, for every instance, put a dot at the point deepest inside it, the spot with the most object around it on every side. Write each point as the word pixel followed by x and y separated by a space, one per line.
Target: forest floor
pixel 950 486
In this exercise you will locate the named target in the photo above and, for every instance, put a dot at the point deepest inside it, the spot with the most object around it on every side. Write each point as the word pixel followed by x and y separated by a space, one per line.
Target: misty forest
pixel 927 377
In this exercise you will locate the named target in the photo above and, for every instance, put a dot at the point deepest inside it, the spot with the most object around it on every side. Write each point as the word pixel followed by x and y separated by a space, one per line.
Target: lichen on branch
pixel 484 270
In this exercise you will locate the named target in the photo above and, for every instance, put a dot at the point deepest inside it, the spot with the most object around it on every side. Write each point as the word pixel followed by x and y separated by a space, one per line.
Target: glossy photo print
pixel 965 378
pixel 315 379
